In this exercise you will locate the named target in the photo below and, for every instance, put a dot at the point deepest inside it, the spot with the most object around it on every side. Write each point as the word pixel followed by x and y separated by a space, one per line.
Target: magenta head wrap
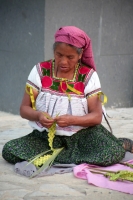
pixel 78 38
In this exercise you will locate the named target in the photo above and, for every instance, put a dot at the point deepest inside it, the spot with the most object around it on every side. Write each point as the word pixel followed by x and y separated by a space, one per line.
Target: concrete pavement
pixel 59 186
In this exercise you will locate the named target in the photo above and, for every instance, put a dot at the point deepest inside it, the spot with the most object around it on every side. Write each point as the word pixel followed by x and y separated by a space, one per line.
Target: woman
pixel 66 92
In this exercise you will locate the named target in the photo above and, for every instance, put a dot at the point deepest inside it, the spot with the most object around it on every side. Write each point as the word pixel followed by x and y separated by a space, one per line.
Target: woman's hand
pixel 45 120
pixel 27 112
pixel 63 120
pixel 94 117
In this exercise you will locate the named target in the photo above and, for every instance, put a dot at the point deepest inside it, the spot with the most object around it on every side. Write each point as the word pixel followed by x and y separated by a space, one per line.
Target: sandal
pixel 127 144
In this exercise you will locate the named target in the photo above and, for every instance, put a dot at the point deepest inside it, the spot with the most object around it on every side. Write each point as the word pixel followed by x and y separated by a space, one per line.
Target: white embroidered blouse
pixel 53 96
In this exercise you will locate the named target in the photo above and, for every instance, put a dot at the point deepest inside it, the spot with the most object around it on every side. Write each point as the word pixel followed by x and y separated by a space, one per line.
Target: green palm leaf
pixel 47 163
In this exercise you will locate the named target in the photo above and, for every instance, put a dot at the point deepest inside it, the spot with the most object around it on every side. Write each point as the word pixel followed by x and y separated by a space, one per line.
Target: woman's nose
pixel 63 60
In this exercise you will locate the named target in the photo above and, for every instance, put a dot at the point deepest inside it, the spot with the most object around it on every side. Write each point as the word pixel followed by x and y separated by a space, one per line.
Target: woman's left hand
pixel 63 120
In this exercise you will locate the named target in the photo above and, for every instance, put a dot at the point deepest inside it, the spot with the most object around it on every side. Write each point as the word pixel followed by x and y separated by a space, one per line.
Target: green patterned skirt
pixel 93 145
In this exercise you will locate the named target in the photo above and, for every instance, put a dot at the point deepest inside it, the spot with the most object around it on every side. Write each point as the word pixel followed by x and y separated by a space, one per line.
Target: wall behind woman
pixel 21 47
pixel 28 26
pixel 109 23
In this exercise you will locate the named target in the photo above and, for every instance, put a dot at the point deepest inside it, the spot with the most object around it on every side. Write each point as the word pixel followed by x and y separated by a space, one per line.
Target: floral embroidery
pixel 48 81
pixel 79 86
pixel 63 87
pixel 84 70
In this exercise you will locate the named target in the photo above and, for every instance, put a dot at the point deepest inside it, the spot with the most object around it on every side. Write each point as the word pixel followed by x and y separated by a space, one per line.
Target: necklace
pixel 65 79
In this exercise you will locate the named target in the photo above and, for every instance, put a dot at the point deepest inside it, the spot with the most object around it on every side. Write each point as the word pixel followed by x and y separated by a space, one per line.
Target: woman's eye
pixel 70 57
pixel 59 55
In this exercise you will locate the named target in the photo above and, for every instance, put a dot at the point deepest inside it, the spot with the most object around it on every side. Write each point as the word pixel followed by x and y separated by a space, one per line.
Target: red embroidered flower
pixel 63 87
pixel 84 70
pixel 79 86
pixel 46 65
pixel 46 81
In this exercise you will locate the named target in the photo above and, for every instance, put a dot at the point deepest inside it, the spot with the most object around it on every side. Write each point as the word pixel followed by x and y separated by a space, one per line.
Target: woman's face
pixel 66 57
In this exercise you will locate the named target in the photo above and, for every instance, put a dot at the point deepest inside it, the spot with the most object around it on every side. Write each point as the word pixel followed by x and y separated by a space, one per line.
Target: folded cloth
pixel 23 168
pixel 83 171
pixel 27 170
pixel 57 169
pixel 128 156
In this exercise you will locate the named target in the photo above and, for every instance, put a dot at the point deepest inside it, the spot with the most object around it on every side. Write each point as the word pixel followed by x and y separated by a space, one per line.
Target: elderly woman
pixel 66 91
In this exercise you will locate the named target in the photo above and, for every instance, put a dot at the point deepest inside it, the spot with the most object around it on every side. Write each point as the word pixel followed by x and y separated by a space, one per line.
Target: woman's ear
pixel 80 56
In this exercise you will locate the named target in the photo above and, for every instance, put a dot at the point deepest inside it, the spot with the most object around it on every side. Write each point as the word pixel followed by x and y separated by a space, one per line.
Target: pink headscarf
pixel 78 38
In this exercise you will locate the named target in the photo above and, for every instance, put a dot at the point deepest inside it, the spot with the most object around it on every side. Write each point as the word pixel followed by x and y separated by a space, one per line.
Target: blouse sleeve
pixel 93 86
pixel 34 79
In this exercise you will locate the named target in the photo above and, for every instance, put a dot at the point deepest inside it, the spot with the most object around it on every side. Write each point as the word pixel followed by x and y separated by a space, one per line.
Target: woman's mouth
pixel 63 67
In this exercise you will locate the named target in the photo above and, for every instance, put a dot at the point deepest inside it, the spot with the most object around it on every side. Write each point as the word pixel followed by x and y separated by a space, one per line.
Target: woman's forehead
pixel 65 48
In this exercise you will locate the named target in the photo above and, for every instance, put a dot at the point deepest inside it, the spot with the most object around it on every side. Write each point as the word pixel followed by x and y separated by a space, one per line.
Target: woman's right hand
pixel 45 120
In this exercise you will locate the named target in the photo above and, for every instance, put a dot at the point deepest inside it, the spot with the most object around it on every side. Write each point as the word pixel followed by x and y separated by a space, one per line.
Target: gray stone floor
pixel 61 186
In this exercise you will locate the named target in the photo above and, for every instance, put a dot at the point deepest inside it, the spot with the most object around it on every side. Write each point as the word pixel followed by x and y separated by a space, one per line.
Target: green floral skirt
pixel 93 145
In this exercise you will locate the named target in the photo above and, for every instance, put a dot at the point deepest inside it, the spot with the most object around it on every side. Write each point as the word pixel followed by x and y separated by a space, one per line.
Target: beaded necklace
pixel 65 79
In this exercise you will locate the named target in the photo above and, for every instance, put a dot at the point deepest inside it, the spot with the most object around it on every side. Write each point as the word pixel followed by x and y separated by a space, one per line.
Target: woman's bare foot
pixel 127 144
